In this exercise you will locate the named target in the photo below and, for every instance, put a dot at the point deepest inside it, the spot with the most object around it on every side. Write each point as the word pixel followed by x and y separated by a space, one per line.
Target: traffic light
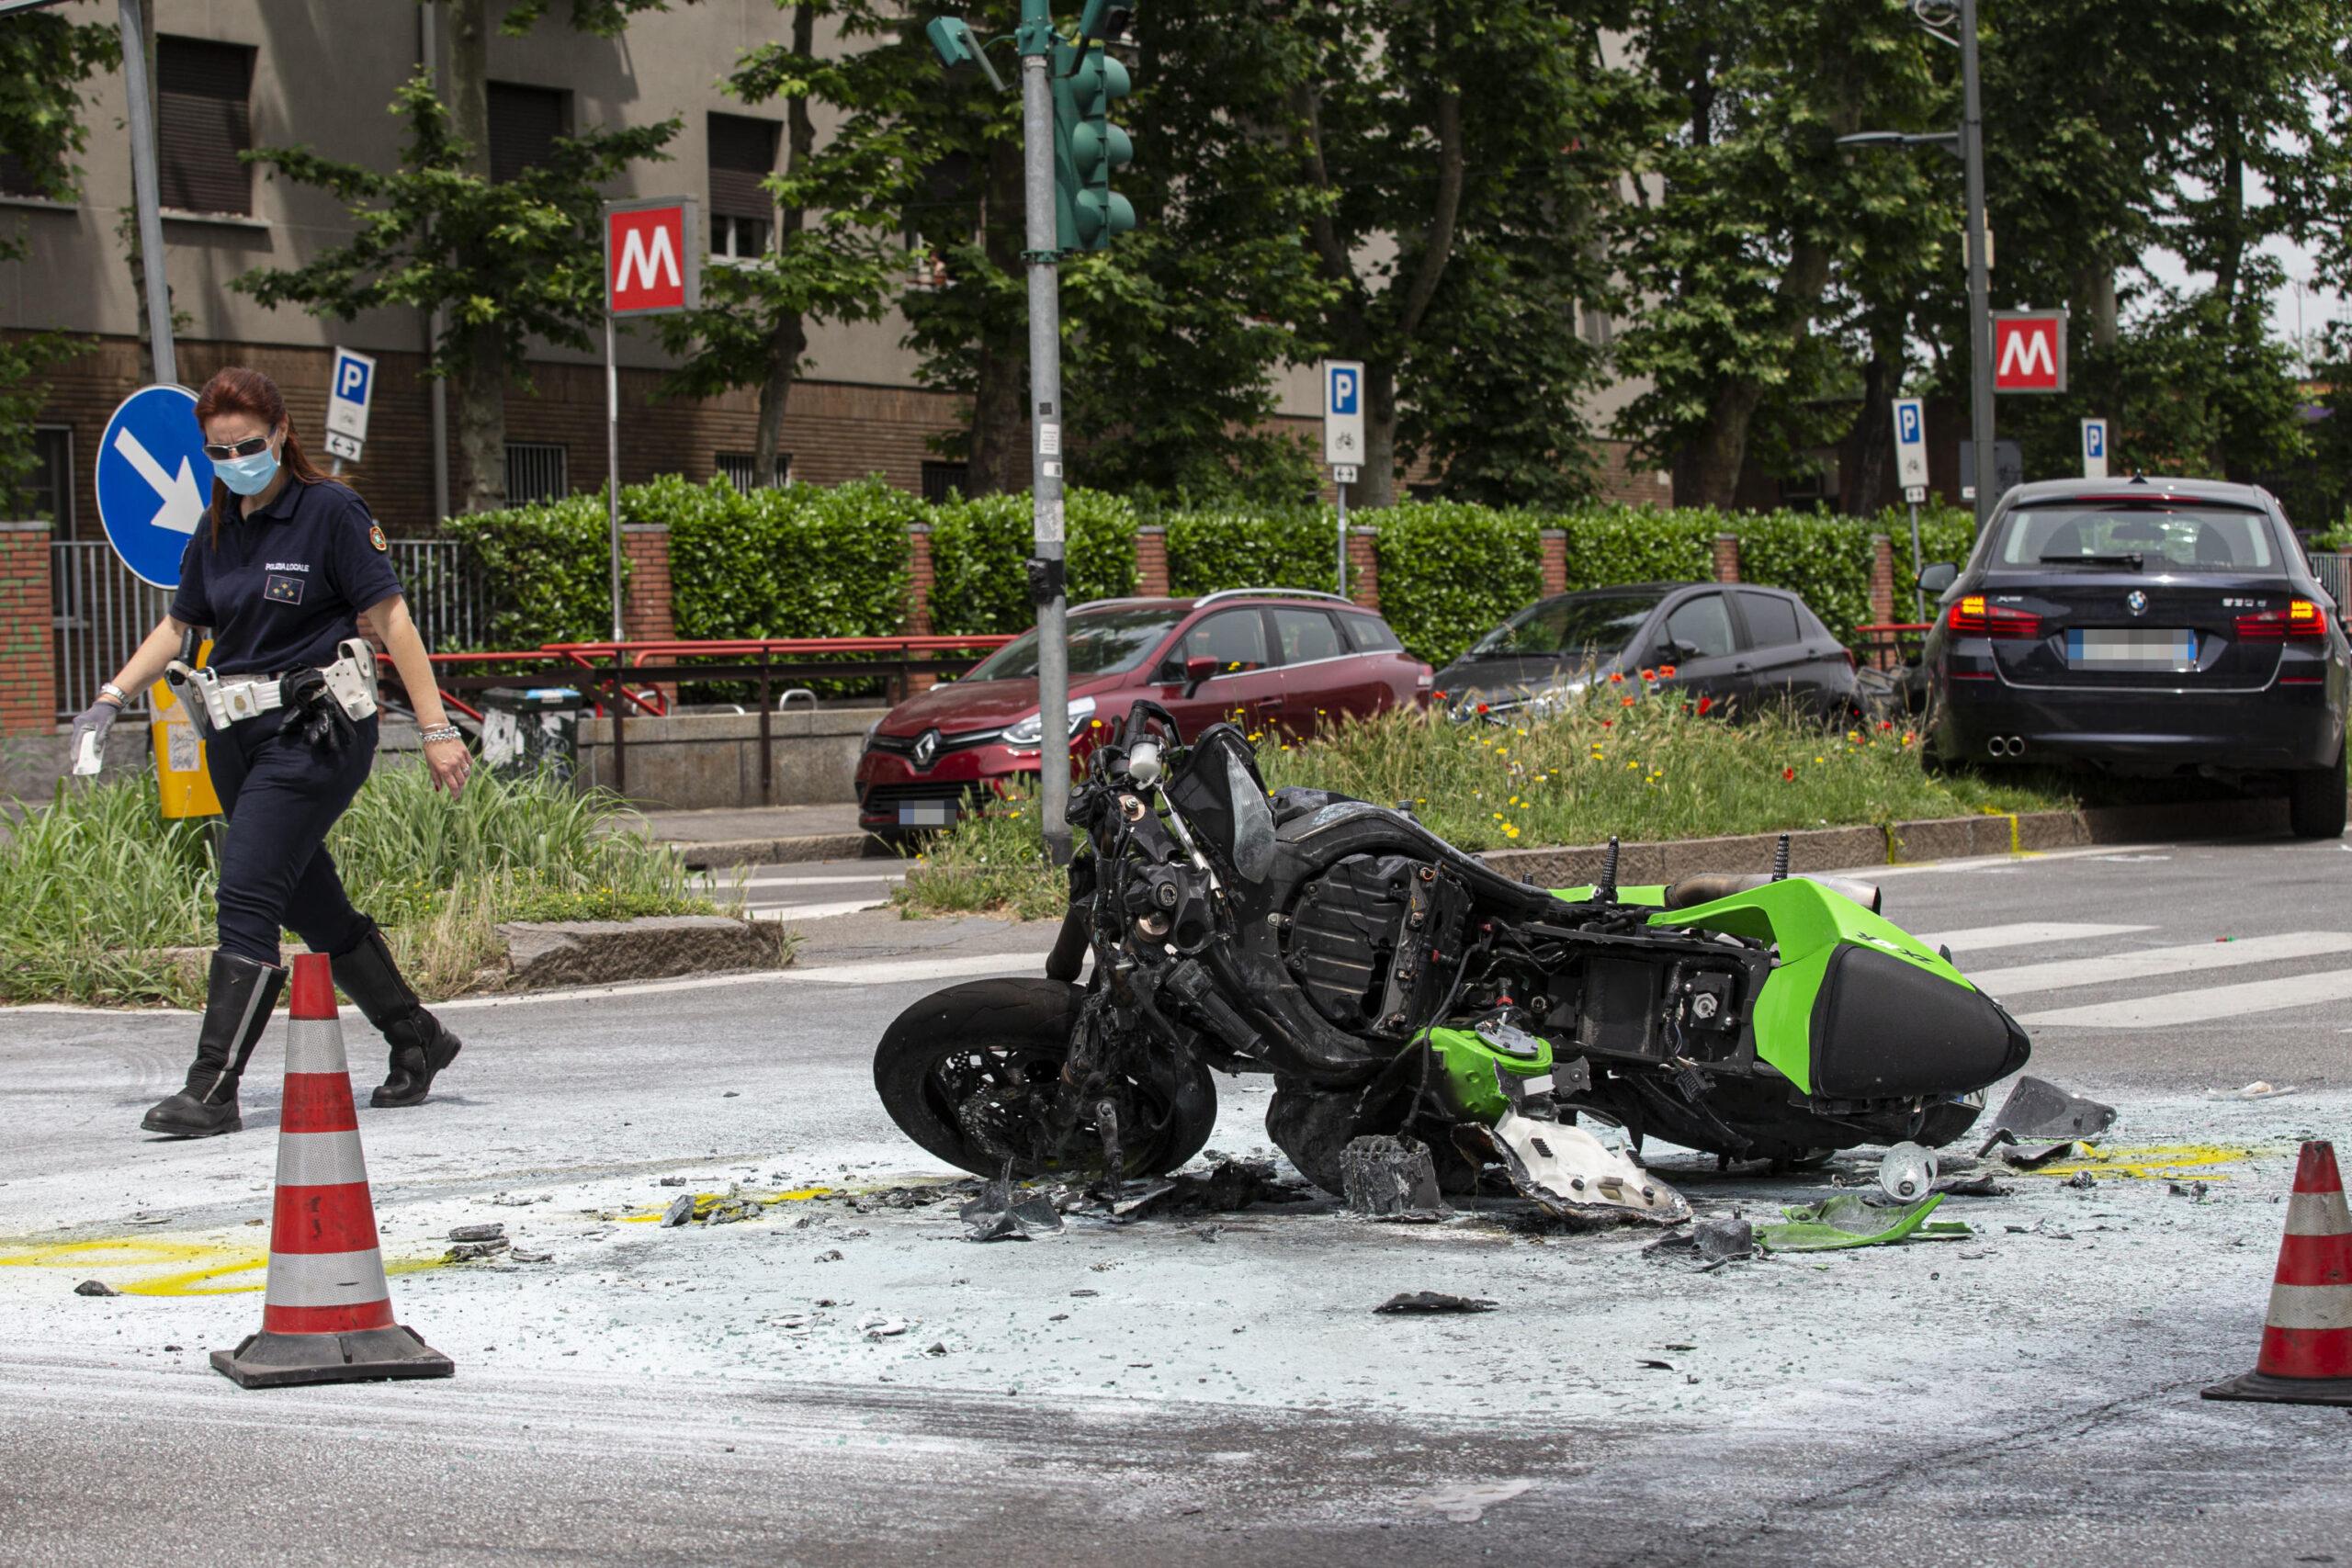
pixel 1087 147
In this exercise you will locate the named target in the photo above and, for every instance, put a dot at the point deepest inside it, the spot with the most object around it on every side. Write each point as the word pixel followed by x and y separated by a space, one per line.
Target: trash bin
pixel 526 730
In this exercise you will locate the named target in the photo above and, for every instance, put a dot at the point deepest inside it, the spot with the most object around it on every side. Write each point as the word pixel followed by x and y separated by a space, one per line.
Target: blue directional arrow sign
pixel 153 481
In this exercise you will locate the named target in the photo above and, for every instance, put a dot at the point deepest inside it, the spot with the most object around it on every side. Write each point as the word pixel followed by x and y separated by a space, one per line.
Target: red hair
pixel 240 390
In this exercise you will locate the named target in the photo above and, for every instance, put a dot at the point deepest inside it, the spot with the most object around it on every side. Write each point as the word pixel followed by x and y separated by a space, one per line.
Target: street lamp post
pixel 1968 145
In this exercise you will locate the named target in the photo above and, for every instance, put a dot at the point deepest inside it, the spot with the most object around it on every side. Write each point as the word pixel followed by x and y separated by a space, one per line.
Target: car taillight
pixel 1973 617
pixel 2299 619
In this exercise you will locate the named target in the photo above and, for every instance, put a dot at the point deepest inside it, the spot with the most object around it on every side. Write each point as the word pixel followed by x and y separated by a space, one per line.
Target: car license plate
pixel 2173 650
pixel 926 813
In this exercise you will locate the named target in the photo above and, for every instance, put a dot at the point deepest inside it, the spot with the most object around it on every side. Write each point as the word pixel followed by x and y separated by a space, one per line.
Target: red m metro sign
pixel 2028 351
pixel 653 266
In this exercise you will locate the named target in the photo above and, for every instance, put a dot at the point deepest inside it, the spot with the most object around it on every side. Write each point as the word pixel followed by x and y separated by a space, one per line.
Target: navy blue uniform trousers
pixel 281 796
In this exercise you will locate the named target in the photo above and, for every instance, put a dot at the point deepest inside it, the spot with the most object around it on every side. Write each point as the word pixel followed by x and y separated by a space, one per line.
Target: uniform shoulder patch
pixel 376 537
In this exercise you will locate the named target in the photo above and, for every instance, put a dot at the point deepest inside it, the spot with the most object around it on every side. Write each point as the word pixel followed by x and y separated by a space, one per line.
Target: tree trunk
pixel 1376 480
pixel 132 253
pixel 1872 491
pixel 789 341
pixel 1706 472
pixel 2095 298
pixel 479 365
pixel 999 454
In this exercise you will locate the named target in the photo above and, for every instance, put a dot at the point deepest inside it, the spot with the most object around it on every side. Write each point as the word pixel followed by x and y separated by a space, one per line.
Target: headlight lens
pixel 1030 731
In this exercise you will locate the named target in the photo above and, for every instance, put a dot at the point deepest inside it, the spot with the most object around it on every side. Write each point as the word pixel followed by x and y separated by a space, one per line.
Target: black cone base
pixel 284 1360
pixel 2262 1388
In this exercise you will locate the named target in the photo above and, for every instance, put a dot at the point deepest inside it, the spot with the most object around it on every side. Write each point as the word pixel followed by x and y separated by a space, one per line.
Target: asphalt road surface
pixel 841 1380
pixel 805 890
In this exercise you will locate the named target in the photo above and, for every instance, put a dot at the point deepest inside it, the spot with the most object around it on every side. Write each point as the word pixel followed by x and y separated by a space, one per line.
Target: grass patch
pixel 96 887
pixel 1620 762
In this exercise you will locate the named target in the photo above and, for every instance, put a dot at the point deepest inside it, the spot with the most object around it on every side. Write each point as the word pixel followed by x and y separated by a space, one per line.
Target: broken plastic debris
pixel 1388 1178
pixel 1717 1240
pixel 681 1209
pixel 95 1287
pixel 1003 1213
pixel 1433 1301
pixel 475 1251
pixel 1572 1175
pixel 1908 1172
pixel 1845 1221
pixel 477 1233
pixel 520 1256
pixel 2017 1156
pixel 2039 1109
pixel 2259 1090
pixel 875 1325
pixel 1464 1502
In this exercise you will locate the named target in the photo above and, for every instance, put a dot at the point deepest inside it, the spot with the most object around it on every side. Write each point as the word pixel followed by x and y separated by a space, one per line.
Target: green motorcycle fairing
pixel 1808 924
pixel 1473 1066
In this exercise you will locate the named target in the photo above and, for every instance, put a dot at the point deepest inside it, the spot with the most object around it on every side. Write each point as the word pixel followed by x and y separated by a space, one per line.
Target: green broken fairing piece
pixel 1845 1221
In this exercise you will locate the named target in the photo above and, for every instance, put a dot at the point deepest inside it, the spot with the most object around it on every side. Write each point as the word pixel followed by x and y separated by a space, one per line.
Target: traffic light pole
pixel 1980 314
pixel 1046 588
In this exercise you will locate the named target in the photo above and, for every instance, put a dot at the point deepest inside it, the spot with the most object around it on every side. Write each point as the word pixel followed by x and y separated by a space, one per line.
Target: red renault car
pixel 1275 657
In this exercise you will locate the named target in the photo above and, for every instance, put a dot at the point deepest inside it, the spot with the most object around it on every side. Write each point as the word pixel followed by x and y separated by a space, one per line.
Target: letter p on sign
pixel 652 264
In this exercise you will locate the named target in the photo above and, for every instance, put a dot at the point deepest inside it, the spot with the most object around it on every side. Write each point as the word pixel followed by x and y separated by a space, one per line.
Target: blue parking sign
pixel 1347 386
pixel 347 394
pixel 153 481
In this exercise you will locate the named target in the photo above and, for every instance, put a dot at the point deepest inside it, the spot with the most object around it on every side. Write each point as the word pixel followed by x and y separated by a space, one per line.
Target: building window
pixel 941 482
pixel 743 214
pixel 1422 492
pixel 523 125
pixel 737 467
pixel 945 206
pixel 202 121
pixel 50 486
pixel 1598 327
pixel 18 178
pixel 536 470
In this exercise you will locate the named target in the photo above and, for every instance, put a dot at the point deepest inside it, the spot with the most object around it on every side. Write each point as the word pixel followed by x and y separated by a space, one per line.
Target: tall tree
pixel 837 254
pixel 506 262
pixel 45 59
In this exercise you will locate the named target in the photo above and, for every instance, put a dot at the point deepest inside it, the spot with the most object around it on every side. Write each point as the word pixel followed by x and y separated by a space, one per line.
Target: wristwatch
pixel 440 732
pixel 109 688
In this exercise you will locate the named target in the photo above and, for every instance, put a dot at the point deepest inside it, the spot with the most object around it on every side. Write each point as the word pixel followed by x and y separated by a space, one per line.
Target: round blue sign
pixel 153 481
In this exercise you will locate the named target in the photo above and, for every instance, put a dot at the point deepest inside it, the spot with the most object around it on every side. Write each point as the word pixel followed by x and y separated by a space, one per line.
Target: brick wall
pixel 1555 560
pixel 645 602
pixel 920 580
pixel 1726 557
pixel 1363 567
pixel 28 679
pixel 1151 562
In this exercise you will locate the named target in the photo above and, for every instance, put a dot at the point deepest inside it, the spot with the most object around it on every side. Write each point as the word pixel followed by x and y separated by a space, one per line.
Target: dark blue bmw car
pixel 2144 626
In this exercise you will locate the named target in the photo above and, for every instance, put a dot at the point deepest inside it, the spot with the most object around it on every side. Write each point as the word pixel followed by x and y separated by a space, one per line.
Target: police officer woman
pixel 285 564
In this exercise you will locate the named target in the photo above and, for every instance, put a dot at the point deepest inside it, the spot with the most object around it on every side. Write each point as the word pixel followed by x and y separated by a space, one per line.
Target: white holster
pixel 225 699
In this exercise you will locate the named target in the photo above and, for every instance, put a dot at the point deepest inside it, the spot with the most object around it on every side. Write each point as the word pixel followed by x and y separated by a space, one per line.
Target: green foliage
pixel 545 569
pixel 1631 544
pixel 799 562
pixel 1448 572
pixel 1825 560
pixel 1295 546
pixel 980 582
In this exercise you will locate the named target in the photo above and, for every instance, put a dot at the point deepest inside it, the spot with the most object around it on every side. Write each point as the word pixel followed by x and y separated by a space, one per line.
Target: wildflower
pixel 1787 774
pixel 1886 724
pixel 1909 738
pixel 1705 704
pixel 1616 677
pixel 1666 671
pixel 1816 759
pixel 1510 832
pixel 1632 765
pixel 1498 815
pixel 1855 736
pixel 1650 674
pixel 1607 724
pixel 1625 702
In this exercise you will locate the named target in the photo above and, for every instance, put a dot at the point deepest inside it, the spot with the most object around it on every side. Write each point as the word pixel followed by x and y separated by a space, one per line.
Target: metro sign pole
pixel 652 267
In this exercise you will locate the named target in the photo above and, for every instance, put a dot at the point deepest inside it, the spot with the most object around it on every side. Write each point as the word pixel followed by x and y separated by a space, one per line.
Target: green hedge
pixel 1448 572
pixel 1294 548
pixel 977 548
pixel 545 569
pixel 796 561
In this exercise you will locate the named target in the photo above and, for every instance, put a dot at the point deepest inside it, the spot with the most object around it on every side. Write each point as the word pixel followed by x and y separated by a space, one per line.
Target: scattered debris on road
pixel 2259 1090
pixel 1418 1301
pixel 1466 1502
pixel 681 1209
pixel 95 1287
pixel 1388 1177
pixel 1907 1171
pixel 1847 1221
pixel 1718 1240
pixel 2039 1109
pixel 478 1233
pixel 1001 1213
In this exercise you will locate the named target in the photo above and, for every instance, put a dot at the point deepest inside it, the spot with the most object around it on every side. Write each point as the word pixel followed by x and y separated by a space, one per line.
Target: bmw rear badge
pixel 927 746
pixel 2136 601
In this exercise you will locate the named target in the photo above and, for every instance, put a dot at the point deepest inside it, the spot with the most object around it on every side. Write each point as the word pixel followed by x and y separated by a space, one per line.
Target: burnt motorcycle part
pixel 1190 984
pixel 2039 1109
pixel 1572 1175
pixel 974 1073
pixel 1414 1302
pixel 1362 937
pixel 1389 1178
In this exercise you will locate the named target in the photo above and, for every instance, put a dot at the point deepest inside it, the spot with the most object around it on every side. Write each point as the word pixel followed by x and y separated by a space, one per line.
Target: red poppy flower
pixel 1650 674
pixel 1787 773
pixel 1616 677
pixel 1666 671
pixel 1482 708
pixel 1437 696
pixel 1607 724
pixel 1705 704
pixel 1627 701
pixel 1886 724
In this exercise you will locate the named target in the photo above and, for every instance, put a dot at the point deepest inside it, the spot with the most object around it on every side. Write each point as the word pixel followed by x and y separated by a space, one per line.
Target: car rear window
pixel 1771 620
pixel 2166 539
pixel 1371 634
pixel 1306 636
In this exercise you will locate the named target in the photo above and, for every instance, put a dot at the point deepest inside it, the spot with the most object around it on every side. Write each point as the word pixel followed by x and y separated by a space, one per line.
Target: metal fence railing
pixel 2334 573
pixel 100 611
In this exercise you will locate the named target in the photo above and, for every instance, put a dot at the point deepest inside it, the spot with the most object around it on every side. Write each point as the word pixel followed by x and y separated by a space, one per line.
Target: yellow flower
pixel 1632 765
pixel 1500 752
pixel 1817 759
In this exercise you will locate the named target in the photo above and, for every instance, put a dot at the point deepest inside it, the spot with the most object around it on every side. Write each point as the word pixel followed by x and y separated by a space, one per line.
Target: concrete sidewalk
pixel 759 836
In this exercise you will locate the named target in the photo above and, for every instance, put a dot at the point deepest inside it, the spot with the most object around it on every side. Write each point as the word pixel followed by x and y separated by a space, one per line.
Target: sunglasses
pixel 221 452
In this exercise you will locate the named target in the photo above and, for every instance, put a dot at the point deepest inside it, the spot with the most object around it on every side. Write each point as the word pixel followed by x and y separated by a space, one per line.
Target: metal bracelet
pixel 109 688
pixel 440 732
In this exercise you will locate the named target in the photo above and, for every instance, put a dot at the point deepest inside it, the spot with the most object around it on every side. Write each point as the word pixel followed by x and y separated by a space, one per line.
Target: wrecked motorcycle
pixel 1392 984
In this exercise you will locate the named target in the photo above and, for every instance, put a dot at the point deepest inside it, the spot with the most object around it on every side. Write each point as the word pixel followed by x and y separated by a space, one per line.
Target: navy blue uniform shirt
pixel 288 581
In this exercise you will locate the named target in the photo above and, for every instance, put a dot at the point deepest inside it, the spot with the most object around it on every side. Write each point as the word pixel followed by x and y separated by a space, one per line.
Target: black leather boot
pixel 420 1045
pixel 237 998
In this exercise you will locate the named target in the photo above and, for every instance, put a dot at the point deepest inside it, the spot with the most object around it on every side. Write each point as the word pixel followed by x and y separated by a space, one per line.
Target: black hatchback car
pixel 1750 646
pixel 2148 626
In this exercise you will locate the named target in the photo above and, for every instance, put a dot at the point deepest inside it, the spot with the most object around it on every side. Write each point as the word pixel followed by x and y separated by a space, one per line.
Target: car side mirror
pixel 1673 652
pixel 1195 671
pixel 1937 576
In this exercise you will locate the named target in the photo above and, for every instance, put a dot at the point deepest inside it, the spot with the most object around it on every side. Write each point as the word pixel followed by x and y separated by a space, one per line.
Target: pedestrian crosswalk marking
pixel 2201 1006
pixel 2150 962
pixel 2024 933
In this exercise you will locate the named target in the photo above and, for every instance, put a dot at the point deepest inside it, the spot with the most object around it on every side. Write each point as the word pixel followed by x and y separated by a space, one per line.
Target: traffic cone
pixel 328 1313
pixel 2307 1340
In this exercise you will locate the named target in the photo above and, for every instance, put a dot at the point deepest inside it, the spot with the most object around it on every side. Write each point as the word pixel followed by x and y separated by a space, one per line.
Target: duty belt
pixel 225 699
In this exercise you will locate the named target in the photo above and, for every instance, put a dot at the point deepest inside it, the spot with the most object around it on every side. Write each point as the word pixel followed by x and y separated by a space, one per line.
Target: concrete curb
pixel 594 953
pixel 718 854
pixel 1944 838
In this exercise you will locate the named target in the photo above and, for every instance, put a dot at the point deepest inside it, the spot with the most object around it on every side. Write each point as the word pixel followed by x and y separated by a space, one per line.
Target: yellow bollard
pixel 185 784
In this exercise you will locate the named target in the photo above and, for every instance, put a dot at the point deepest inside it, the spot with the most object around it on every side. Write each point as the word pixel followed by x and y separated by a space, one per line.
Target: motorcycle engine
pixel 1371 939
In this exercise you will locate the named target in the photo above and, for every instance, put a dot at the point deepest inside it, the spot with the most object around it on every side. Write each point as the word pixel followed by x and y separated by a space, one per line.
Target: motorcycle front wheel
pixel 973 1074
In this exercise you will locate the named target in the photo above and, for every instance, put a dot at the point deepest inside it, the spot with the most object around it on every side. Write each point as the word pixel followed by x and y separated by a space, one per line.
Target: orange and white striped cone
pixel 2307 1340
pixel 328 1313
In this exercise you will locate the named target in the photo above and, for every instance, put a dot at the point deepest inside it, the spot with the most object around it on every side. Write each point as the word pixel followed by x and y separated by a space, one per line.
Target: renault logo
pixel 926 748
pixel 2136 601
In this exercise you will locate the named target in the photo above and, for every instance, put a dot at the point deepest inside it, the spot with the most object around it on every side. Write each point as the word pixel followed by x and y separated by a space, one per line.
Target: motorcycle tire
pixel 1011 1032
